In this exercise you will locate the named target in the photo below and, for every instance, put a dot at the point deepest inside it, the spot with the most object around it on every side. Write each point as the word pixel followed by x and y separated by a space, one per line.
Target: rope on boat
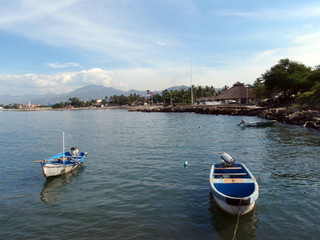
pixel 236 228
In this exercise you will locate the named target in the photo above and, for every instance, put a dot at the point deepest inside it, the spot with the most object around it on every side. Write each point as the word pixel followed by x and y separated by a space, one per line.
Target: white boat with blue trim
pixel 234 188
pixel 63 162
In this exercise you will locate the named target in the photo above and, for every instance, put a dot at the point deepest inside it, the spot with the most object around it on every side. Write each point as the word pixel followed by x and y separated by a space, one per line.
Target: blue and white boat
pixel 63 162
pixel 234 188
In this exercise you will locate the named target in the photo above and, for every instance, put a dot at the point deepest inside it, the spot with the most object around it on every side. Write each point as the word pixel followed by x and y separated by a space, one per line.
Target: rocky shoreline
pixel 304 118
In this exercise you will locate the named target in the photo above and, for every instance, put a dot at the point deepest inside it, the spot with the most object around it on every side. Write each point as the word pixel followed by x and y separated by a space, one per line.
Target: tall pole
pixel 247 95
pixel 63 146
pixel 191 82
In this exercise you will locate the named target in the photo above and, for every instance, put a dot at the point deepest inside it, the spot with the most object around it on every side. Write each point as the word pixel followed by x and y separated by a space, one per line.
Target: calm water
pixel 134 184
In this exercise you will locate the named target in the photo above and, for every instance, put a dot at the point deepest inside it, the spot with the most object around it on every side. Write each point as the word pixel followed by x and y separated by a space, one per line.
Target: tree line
pixel 166 97
pixel 289 83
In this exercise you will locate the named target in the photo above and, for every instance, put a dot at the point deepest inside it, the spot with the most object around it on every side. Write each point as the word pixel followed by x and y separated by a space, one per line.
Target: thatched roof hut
pixel 238 92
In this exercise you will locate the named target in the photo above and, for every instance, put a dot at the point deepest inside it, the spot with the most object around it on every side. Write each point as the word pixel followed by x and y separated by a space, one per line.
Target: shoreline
pixel 63 109
pixel 294 116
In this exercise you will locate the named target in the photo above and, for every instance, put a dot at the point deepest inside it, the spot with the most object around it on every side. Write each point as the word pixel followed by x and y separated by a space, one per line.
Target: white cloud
pixel 303 48
pixel 73 25
pixel 285 12
pixel 59 83
pixel 63 65
pixel 161 43
pixel 133 37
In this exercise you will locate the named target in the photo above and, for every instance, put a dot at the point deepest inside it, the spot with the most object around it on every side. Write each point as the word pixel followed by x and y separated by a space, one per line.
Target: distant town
pixel 287 84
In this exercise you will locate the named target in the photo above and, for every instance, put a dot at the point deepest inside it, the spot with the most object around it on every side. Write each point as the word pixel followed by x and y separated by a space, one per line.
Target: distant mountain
pixel 178 88
pixel 25 98
pixel 133 91
pixel 84 94
pixel 94 92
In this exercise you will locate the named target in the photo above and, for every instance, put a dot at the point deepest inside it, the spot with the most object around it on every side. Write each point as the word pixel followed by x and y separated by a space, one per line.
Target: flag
pixel 149 92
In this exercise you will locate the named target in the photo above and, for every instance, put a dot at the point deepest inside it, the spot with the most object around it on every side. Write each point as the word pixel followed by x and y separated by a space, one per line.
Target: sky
pixel 58 46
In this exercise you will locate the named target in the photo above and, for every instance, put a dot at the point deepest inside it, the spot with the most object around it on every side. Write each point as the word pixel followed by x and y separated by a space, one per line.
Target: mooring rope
pixel 13 213
pixel 236 228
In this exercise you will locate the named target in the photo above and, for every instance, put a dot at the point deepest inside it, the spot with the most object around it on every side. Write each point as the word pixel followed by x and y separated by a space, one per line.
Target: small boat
pixel 63 162
pixel 234 188
pixel 257 124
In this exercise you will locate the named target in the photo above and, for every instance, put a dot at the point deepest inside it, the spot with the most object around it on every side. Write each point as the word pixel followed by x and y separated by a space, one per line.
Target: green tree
pixel 286 77
pixel 59 105
pixel 104 101
pixel 260 89
pixel 76 102
pixel 157 98
pixel 313 78
pixel 166 96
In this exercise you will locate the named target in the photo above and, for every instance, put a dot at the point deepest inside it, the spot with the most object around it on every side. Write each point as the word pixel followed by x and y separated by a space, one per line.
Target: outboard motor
pixel 244 122
pixel 74 151
pixel 227 160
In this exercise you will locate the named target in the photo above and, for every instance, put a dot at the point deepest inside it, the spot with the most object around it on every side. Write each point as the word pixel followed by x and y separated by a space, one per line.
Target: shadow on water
pixel 225 223
pixel 52 189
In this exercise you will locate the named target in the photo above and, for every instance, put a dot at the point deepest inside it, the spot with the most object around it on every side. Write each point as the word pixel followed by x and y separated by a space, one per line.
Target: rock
pixel 310 124
pixel 306 118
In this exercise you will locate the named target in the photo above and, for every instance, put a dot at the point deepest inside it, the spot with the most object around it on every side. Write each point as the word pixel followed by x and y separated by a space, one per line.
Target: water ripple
pixel 134 184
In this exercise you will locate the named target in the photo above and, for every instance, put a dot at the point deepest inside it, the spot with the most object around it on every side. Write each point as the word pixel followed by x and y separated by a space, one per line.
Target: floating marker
pixel 185 163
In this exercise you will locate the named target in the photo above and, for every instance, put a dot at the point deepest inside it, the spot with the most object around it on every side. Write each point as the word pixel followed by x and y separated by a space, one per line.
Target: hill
pixel 86 93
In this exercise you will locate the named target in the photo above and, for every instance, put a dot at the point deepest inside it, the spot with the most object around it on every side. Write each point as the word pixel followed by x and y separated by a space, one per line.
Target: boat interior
pixel 58 159
pixel 233 181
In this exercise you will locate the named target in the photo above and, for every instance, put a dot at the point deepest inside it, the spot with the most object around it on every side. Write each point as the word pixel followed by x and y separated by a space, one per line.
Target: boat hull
pixel 55 166
pixel 234 210
pixel 235 190
pixel 260 124
pixel 52 170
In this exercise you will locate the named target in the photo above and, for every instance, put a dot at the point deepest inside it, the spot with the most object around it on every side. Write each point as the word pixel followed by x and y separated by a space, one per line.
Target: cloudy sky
pixel 58 46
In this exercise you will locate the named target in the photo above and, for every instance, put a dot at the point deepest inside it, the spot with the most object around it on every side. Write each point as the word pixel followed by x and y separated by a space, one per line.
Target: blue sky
pixel 58 46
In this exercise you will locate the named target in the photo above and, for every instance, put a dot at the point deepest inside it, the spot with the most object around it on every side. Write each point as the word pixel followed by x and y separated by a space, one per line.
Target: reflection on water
pixel 291 156
pixel 225 223
pixel 53 187
pixel 141 189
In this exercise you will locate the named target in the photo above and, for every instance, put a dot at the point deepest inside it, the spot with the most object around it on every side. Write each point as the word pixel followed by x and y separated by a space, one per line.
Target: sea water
pixel 135 185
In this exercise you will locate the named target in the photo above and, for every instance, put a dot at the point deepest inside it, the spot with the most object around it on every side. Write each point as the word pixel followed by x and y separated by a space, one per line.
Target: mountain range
pixel 86 93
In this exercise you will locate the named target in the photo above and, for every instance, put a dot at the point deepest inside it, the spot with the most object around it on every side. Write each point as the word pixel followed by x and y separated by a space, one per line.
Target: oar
pixel 46 160
pixel 77 162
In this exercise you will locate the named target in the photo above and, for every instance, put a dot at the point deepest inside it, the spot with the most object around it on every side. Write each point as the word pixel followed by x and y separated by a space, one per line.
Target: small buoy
pixel 185 163
pixel 199 126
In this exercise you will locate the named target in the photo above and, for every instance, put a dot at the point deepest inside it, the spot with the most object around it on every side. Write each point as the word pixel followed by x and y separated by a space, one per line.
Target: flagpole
pixel 191 82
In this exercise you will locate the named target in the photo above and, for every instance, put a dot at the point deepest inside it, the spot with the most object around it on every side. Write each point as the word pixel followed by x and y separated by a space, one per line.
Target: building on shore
pixel 238 93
